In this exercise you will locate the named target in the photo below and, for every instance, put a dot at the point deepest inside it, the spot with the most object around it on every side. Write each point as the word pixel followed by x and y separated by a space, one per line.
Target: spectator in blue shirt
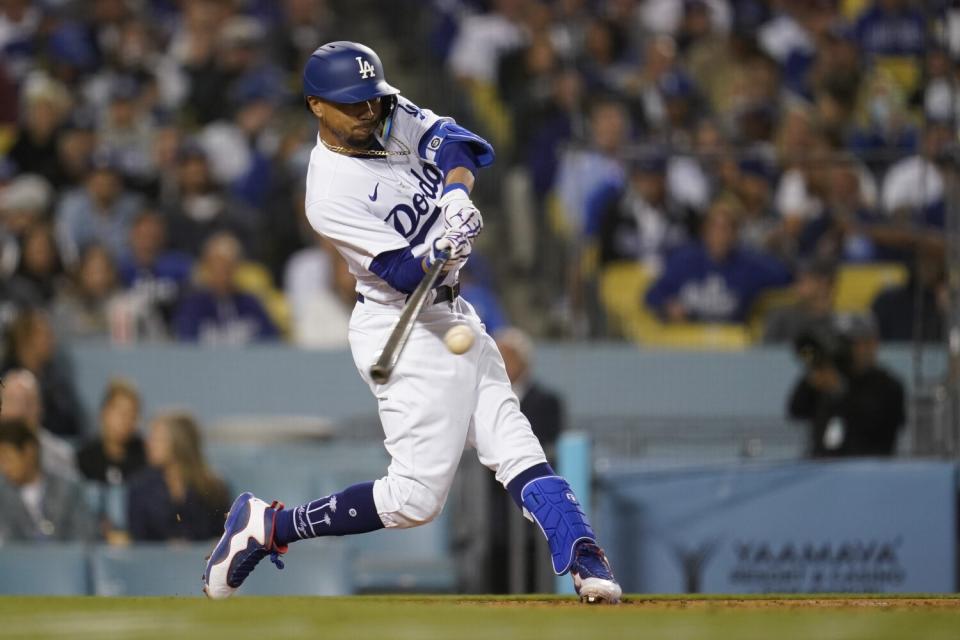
pixel 217 313
pixel 892 28
pixel 714 280
pixel 152 271
pixel 102 211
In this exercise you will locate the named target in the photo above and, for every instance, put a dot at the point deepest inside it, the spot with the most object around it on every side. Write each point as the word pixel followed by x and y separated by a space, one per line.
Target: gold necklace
pixel 369 153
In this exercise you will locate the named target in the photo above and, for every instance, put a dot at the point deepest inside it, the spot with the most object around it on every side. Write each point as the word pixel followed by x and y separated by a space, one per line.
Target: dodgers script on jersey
pixel 366 206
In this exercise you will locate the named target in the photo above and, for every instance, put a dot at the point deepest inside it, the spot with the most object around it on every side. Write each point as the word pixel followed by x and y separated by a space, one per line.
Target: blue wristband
pixel 455 185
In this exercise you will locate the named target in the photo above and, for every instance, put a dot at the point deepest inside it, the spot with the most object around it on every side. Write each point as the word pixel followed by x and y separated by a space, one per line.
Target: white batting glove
pixel 455 245
pixel 460 213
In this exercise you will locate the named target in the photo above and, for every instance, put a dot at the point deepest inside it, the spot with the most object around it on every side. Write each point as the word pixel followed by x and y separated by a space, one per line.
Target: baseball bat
pixel 383 367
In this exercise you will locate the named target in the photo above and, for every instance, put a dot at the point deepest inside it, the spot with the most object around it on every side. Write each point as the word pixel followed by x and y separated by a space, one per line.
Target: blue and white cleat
pixel 592 576
pixel 247 539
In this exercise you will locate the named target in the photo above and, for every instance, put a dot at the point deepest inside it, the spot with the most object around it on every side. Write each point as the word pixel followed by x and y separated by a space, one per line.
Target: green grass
pixel 486 618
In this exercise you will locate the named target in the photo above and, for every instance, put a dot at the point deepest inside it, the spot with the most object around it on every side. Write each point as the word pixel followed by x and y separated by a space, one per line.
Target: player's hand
pixel 460 213
pixel 455 245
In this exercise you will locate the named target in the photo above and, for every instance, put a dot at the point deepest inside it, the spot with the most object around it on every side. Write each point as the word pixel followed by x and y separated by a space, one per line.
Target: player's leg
pixel 505 443
pixel 425 410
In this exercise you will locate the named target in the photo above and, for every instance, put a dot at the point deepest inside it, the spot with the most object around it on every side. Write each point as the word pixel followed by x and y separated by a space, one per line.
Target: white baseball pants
pixel 435 404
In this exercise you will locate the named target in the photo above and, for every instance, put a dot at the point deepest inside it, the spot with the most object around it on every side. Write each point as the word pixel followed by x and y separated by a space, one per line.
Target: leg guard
pixel 550 502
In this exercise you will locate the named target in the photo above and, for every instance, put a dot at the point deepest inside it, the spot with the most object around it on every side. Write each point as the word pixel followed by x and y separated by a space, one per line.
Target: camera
pixel 821 347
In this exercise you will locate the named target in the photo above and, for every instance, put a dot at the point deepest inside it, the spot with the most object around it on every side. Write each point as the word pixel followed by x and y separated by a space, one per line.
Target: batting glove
pixel 453 244
pixel 460 213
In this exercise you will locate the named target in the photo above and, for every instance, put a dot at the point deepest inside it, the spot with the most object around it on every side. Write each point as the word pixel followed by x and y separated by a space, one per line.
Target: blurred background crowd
pixel 693 173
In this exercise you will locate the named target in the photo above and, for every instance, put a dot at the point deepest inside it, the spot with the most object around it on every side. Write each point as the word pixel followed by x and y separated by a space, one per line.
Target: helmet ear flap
pixel 389 104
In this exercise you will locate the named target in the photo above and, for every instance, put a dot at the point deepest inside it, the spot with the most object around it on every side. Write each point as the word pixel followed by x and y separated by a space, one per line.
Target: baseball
pixel 459 339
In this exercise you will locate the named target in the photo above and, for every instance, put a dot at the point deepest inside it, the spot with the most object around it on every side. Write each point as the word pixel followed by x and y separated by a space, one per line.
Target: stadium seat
pixel 622 287
pixel 859 284
pixel 47 569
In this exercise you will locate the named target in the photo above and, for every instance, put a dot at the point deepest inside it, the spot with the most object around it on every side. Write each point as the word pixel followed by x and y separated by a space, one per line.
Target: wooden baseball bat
pixel 383 367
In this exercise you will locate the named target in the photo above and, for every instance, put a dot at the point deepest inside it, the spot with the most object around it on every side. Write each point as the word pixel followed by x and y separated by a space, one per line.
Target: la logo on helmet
pixel 366 69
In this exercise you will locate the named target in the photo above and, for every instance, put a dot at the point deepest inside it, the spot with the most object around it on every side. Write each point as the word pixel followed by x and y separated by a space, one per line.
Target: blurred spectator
pixel 20 400
pixel 584 172
pixel 896 309
pixel 883 128
pixel 118 452
pixel 37 504
pixel 760 228
pixel 199 208
pixel 127 130
pixel 813 308
pixel 217 313
pixel 178 497
pixel 150 271
pixel 939 95
pixel 477 286
pixel 82 307
pixel 321 292
pixel 892 28
pixel 854 406
pixel 913 189
pixel 44 105
pixel 714 279
pixel 643 222
pixel 78 142
pixel 39 271
pixel 482 39
pixel 24 201
pixel 102 211
pixel 31 345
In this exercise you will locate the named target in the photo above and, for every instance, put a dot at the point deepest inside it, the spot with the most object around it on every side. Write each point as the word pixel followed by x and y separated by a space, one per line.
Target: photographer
pixel 854 406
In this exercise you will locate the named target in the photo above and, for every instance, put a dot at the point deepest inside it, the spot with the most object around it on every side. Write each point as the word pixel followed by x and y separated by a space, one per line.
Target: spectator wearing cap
pixel 714 279
pixel 151 271
pixel 854 406
pixel 642 222
pixel 101 211
pixel 37 504
pixel 78 141
pixel 127 130
pixel 235 146
pixel 45 103
pixel 913 189
pixel 671 108
pixel 199 207
pixel 753 189
pixel 20 400
pixel 812 309
pixel 217 313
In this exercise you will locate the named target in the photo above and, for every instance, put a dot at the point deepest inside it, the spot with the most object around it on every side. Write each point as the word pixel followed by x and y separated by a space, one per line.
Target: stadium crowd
pixel 153 155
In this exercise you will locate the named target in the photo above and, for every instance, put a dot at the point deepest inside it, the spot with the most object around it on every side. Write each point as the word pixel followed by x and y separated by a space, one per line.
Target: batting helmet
pixel 345 72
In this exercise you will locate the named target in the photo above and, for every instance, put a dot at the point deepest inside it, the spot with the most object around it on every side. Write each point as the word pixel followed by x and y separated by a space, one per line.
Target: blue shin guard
pixel 550 502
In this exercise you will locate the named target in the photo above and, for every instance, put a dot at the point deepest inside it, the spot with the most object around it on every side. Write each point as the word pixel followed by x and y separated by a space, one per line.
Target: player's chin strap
pixel 550 502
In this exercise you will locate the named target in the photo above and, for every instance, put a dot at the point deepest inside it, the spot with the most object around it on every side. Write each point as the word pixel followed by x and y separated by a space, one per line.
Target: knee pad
pixel 550 502
pixel 403 503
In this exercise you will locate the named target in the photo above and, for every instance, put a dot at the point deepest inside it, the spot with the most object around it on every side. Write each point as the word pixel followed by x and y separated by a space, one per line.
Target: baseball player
pixel 389 185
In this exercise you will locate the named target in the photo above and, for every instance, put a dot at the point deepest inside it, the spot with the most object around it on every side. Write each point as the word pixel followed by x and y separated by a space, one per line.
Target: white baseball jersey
pixel 435 403
pixel 367 206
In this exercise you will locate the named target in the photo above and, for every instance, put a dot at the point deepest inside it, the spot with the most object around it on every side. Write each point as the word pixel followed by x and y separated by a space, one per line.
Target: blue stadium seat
pixel 47 569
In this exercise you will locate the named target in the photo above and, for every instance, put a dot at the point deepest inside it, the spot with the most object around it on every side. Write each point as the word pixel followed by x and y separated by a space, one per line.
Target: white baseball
pixel 459 338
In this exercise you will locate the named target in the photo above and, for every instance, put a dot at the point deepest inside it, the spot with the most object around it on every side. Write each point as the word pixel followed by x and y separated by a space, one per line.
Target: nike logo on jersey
pixel 373 196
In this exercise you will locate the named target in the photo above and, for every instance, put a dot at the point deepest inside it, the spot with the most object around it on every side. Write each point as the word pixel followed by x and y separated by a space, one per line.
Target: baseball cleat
pixel 247 539
pixel 592 576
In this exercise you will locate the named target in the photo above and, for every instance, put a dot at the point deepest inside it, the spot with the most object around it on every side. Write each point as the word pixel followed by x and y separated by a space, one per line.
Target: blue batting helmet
pixel 345 72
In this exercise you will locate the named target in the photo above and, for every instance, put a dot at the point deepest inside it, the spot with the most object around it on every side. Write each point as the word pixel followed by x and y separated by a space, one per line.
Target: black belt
pixel 444 293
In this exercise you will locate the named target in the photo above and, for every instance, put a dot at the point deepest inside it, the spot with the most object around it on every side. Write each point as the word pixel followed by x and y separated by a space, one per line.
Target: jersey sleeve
pixel 353 229
pixel 411 124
